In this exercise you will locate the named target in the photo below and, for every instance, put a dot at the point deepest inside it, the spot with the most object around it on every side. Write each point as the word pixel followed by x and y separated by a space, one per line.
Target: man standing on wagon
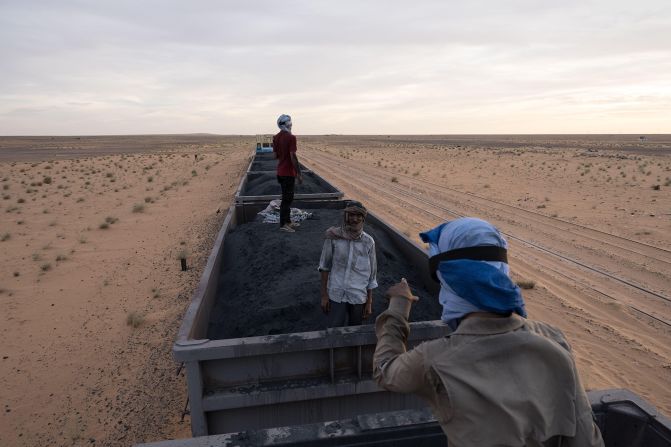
pixel 288 170
pixel 348 267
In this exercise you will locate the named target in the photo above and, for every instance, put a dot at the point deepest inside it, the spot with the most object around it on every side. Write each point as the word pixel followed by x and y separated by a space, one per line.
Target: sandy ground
pixel 89 247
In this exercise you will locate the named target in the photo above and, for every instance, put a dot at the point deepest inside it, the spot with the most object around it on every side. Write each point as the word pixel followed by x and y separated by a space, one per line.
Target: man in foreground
pixel 284 149
pixel 498 379
pixel 348 269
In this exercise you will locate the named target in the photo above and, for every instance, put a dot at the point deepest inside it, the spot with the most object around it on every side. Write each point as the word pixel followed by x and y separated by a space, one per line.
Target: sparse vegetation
pixel 45 267
pixel 5 237
pixel 525 284
pixel 394 179
pixel 134 319
pixel 138 208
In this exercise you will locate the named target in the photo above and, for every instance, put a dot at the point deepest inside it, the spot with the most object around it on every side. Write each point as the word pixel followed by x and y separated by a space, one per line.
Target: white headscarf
pixel 284 123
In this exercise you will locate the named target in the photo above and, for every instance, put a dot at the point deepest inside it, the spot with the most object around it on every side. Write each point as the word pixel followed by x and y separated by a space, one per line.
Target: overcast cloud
pixel 126 67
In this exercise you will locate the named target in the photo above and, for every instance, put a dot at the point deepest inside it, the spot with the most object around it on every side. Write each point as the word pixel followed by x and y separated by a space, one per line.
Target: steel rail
pixel 584 227
pixel 521 240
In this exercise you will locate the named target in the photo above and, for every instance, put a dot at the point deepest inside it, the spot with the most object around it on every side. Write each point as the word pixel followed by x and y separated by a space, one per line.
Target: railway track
pixel 651 304
pixel 557 226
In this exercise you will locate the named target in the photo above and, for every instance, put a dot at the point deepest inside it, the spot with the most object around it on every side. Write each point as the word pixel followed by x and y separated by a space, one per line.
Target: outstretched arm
pixel 395 368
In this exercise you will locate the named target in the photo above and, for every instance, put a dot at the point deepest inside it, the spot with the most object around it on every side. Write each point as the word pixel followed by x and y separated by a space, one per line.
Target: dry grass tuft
pixel 524 284
pixel 134 319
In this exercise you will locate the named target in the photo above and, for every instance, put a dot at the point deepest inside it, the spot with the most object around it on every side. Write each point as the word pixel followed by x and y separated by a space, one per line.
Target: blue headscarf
pixel 472 286
pixel 284 123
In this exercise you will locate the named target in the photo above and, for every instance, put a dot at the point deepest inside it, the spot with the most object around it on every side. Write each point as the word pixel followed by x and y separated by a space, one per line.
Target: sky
pixel 337 67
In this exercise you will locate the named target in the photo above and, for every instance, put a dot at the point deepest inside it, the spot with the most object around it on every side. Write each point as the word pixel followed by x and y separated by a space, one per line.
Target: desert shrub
pixel 524 284
pixel 138 208
pixel 134 319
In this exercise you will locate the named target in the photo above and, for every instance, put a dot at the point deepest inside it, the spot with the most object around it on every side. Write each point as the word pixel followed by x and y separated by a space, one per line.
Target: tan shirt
pixel 493 382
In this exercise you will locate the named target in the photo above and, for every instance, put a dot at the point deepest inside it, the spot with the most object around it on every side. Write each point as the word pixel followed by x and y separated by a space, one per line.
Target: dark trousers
pixel 342 314
pixel 287 184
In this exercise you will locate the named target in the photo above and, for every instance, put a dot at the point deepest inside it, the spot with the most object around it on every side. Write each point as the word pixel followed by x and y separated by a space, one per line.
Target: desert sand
pixel 92 291
pixel 91 229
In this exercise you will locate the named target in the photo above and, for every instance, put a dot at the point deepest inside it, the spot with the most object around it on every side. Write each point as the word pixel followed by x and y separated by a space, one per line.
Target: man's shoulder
pixel 547 331
pixel 367 238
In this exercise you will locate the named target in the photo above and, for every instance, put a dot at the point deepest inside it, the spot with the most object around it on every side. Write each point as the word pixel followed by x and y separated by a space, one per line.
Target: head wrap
pixel 284 123
pixel 472 286
pixel 346 230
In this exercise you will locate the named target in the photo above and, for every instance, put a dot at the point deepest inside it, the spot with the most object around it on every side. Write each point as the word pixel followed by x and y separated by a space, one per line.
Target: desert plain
pixel 92 230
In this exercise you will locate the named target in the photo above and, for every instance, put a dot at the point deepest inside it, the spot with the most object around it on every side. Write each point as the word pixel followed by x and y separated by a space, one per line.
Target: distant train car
pixel 264 144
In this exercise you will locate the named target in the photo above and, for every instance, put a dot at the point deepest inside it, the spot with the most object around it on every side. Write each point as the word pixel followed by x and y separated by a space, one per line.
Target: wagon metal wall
pixel 286 379
pixel 623 418
pixel 330 192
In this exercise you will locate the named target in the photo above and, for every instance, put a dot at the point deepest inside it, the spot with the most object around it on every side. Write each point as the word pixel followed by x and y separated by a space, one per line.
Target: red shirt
pixel 284 144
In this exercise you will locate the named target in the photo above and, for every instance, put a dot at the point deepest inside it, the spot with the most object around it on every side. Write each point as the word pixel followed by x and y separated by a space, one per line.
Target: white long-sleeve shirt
pixel 352 268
